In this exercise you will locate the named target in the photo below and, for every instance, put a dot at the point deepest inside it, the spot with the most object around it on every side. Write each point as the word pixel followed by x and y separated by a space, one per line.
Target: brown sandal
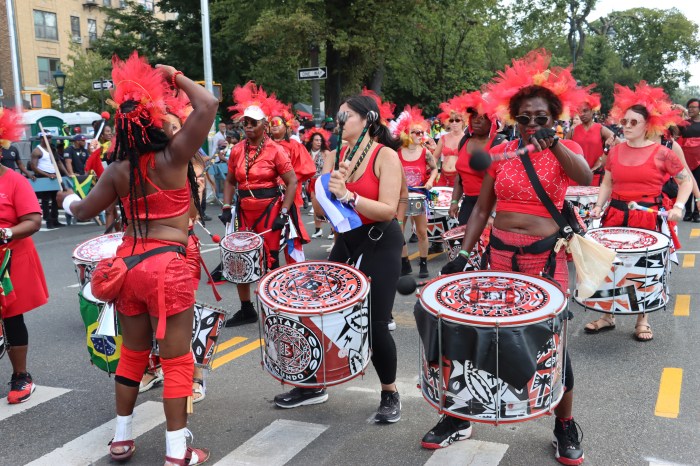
pixel 202 456
pixel 125 455
pixel 638 333
pixel 596 326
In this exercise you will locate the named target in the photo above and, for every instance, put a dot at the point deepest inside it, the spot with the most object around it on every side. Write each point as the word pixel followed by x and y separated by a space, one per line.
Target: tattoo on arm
pixel 430 160
pixel 682 176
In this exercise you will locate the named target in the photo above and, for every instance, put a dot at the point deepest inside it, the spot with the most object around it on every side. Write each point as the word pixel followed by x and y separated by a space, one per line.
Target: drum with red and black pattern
pixel 638 281
pixel 314 317
pixel 89 253
pixel 500 338
pixel 242 257
pixel 453 244
pixel 583 198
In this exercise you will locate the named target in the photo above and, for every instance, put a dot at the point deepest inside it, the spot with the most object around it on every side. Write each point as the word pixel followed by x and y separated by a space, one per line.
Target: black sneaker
pixel 688 216
pixel 448 430
pixel 567 443
pixel 423 264
pixel 435 248
pixel 206 218
pixel 389 408
pixel 242 317
pixel 406 268
pixel 300 397
pixel 696 217
pixel 413 239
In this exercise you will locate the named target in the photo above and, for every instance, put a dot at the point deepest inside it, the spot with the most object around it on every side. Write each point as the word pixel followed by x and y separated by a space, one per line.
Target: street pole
pixel 102 94
pixel 14 56
pixel 315 87
pixel 208 73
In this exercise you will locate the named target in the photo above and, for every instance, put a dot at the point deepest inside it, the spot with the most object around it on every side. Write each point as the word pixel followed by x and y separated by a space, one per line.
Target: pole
pixel 102 94
pixel 60 95
pixel 315 87
pixel 14 55
pixel 206 50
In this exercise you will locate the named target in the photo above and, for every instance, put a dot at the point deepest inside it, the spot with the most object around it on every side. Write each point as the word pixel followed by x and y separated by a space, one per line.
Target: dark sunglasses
pixel 633 122
pixel 540 120
pixel 417 133
pixel 455 120
pixel 250 122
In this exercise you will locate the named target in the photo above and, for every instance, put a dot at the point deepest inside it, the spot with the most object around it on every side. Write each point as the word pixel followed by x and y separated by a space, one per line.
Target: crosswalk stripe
pixel 41 395
pixel 275 445
pixel 92 446
pixel 469 453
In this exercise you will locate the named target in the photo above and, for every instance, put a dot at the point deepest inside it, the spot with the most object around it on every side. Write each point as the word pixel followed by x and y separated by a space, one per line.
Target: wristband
pixel 226 207
pixel 679 206
pixel 400 222
pixel 69 199
pixel 172 79
pixel 464 253
pixel 345 197
pixel 454 202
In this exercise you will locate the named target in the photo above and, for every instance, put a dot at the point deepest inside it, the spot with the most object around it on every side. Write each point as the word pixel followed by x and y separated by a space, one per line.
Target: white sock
pixel 123 428
pixel 176 444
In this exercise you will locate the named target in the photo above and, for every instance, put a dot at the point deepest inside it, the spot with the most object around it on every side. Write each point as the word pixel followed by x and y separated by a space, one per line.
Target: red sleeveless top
pixel 164 203
pixel 416 171
pixel 591 142
pixel 366 185
pixel 471 179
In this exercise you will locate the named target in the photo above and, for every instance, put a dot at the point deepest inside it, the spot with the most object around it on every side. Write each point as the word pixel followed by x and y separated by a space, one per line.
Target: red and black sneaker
pixel 567 442
pixel 21 388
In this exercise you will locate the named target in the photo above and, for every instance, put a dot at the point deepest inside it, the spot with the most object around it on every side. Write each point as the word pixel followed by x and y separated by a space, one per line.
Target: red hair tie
pixel 172 80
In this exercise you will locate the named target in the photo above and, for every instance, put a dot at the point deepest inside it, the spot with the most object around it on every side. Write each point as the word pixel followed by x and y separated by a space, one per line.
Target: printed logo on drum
pixel 292 349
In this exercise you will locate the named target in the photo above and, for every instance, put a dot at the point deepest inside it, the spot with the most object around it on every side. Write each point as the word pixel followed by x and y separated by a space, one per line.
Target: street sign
pixel 308 74
pixel 102 85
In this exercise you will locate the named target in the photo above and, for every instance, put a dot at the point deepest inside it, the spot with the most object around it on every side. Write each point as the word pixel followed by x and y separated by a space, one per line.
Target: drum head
pixel 444 197
pixel 242 241
pixel 492 298
pixel 313 287
pixel 87 294
pixel 629 239
pixel 455 233
pixel 96 249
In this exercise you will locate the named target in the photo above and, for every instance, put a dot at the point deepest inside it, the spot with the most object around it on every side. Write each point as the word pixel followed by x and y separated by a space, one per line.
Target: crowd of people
pixel 380 165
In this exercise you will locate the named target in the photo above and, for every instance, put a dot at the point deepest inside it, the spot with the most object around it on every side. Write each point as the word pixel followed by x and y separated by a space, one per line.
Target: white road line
pixel 74 286
pixel 41 395
pixel 469 453
pixel 658 462
pixel 406 390
pixel 92 446
pixel 275 445
pixel 204 251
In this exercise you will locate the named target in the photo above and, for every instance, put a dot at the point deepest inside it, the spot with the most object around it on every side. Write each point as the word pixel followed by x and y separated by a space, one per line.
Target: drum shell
pixel 206 327
pixel 104 351
pixel 439 225
pixel 583 198
pixel 416 205
pixel 452 240
pixel 88 253
pixel 240 267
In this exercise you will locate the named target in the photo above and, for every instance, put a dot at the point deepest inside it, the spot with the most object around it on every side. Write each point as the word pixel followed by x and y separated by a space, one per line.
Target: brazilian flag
pixel 104 351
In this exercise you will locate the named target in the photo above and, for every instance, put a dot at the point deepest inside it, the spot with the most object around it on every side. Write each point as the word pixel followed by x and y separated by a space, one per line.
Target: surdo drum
pixel 207 324
pixel 242 257
pixel 416 204
pixel 314 318
pixel 453 244
pixel 88 254
pixel 638 280
pixel 501 338
pixel 439 220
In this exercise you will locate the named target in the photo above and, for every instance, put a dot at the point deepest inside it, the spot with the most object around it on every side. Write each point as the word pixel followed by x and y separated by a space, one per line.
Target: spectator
pixel 10 159
pixel 219 136
pixel 75 156
pixel 42 167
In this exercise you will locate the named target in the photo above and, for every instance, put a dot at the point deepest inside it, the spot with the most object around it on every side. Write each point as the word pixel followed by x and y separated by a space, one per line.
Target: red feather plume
pixel 662 112
pixel 250 94
pixel 325 134
pixel 134 79
pixel 409 118
pixel 386 109
pixel 11 128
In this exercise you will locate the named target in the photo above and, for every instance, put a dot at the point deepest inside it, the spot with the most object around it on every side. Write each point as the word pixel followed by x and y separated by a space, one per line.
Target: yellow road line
pixel 226 358
pixel 682 307
pixel 430 256
pixel 224 345
pixel 413 256
pixel 689 261
pixel 668 402
pixel 695 233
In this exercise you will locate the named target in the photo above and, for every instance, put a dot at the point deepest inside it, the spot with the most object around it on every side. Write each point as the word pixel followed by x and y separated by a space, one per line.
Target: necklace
pixel 361 159
pixel 249 163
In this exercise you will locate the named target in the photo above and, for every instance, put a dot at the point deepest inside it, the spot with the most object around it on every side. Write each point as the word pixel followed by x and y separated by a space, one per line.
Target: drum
pixel 440 204
pixel 638 280
pixel 207 325
pixel 242 257
pixel 501 337
pixel 314 318
pixel 416 204
pixel 453 244
pixel 584 199
pixel 88 254
pixel 104 350
pixel 3 340
pixel 439 221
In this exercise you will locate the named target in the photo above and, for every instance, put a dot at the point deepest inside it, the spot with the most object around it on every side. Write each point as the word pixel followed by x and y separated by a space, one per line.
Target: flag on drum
pixel 104 350
pixel 342 216
pixel 7 294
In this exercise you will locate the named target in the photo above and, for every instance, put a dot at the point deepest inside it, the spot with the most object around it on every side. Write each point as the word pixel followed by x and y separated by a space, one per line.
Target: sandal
pixel 597 326
pixel 121 456
pixel 202 456
pixel 144 385
pixel 201 391
pixel 638 333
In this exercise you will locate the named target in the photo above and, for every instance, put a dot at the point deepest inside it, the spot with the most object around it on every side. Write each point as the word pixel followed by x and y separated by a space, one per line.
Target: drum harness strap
pixel 623 207
pixel 374 234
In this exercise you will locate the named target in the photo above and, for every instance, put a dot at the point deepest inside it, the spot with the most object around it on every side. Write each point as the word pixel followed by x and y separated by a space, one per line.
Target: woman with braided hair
pixel 154 180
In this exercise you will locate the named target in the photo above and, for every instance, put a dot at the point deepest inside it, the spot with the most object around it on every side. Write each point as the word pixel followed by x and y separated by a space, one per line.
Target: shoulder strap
pixel 133 261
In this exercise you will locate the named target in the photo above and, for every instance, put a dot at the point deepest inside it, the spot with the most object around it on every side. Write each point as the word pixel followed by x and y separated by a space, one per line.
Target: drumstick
pixel 634 206
pixel 215 238
pixel 53 160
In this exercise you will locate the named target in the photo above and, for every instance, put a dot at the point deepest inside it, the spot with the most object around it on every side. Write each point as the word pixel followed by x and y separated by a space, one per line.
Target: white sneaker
pixel 318 234
pixel 310 212
pixel 331 236
pixel 392 325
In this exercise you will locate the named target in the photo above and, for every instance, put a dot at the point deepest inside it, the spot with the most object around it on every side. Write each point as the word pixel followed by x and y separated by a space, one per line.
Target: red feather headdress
pixel 251 95
pixel 178 105
pixel 533 70
pixel 592 98
pixel 409 118
pixel 386 109
pixel 134 79
pixel 455 105
pixel 10 127
pixel 662 114
pixel 325 134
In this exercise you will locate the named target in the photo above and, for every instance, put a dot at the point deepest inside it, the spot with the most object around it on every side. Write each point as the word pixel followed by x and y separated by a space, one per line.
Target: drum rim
pixel 259 237
pixel 497 322
pixel 653 248
pixel 86 261
pixel 281 308
pixel 460 235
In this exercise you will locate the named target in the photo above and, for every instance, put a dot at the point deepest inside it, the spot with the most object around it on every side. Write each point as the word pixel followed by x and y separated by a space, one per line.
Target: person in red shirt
pixel 254 167
pixel 524 234
pixel 20 218
pixel 636 170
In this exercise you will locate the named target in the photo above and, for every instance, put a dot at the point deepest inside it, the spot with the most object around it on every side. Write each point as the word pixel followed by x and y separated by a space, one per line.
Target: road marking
pixel 469 453
pixel 689 261
pixel 695 233
pixel 92 446
pixel 407 389
pixel 669 400
pixel 226 358
pixel 41 395
pixel 682 306
pixel 275 445
pixel 77 285
pixel 223 346
pixel 658 462
pixel 430 256
pixel 204 251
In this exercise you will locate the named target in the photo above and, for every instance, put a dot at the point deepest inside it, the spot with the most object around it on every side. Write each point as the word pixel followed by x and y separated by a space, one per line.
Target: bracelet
pixel 454 202
pixel 356 200
pixel 680 206
pixel 400 222
pixel 172 79
pixel 226 207
pixel 464 253
pixel 345 197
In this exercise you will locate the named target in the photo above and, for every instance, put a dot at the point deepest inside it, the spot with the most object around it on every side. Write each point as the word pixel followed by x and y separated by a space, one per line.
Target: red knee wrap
pixel 178 373
pixel 132 364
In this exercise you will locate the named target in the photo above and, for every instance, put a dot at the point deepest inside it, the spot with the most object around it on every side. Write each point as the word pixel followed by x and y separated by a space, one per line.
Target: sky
pixel 689 8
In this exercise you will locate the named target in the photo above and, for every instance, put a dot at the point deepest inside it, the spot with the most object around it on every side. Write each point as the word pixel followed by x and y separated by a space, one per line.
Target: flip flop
pixel 598 327
pixel 637 333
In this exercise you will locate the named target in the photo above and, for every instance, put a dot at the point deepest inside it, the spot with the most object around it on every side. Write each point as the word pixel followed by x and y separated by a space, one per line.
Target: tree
pixel 132 28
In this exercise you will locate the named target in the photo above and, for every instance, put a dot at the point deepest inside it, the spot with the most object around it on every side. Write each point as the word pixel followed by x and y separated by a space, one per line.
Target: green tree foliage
pixel 133 28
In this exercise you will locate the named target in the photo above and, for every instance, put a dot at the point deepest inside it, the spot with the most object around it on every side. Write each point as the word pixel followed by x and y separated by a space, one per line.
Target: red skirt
pixel 27 276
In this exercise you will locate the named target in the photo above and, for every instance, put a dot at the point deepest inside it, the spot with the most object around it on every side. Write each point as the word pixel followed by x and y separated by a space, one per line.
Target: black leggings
pixel 568 373
pixel 381 262
pixel 690 204
pixel 16 331
pixel 468 203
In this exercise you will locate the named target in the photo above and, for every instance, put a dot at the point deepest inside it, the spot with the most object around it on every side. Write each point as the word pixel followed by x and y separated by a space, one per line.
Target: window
pixel 92 30
pixel 47 66
pixel 75 28
pixel 107 3
pixel 45 25
pixel 122 4
pixel 147 4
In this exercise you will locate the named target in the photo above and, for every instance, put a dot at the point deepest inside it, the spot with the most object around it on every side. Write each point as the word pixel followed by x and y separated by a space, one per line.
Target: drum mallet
pixel 634 206
pixel 342 117
pixel 215 238
pixel 407 285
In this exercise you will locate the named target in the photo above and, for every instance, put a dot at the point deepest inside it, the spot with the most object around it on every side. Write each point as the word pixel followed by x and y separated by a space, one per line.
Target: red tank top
pixel 416 171
pixel 164 203
pixel 471 179
pixel 366 185
pixel 591 142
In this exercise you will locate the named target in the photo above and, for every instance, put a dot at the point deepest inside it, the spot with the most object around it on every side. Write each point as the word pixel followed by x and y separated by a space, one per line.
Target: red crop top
pixel 367 185
pixel 416 171
pixel 164 203
pixel 514 192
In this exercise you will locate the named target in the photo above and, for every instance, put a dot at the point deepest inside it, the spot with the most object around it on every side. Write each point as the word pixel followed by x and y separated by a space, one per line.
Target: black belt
pixel 538 247
pixel 262 193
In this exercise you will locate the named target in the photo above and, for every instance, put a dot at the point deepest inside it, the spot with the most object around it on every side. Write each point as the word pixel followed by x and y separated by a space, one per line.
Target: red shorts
pixel 194 259
pixel 160 285
pixel 252 209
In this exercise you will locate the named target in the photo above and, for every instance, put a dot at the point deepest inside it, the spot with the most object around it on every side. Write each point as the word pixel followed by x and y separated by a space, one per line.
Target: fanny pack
pixel 109 275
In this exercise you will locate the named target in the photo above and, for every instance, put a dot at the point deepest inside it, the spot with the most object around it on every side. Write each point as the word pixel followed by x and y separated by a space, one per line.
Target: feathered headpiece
pixel 178 105
pixel 136 80
pixel 249 97
pixel 662 114
pixel 325 134
pixel 409 118
pixel 533 70
pixel 455 105
pixel 10 127
pixel 592 99
pixel 386 109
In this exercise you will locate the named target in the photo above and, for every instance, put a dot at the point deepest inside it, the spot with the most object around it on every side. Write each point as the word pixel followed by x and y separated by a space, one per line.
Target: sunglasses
pixel 417 133
pixel 250 122
pixel 276 122
pixel 540 120
pixel 633 122
pixel 455 120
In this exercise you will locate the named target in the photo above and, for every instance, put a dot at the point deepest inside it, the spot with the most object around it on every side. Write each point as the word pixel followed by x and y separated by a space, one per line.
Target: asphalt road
pixel 628 417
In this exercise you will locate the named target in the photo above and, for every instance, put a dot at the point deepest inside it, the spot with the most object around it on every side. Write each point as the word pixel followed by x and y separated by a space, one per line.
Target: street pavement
pixel 627 414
